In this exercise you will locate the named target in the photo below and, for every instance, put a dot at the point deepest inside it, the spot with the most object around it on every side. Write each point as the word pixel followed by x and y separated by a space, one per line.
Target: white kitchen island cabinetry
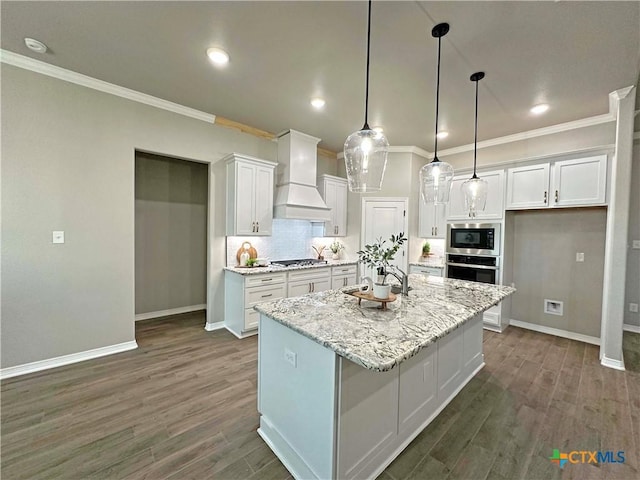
pixel 563 183
pixel 334 193
pixel 343 388
pixel 427 270
pixel 249 195
pixel 242 293
pixel 494 209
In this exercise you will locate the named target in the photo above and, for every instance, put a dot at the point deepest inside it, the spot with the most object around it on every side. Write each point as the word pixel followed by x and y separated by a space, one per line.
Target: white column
pixel 621 104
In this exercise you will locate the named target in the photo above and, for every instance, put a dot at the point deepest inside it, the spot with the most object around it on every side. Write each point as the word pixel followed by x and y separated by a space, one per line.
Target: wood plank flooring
pixel 183 406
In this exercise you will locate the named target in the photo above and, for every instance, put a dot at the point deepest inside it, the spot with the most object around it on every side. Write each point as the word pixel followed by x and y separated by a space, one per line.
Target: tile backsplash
pixel 289 239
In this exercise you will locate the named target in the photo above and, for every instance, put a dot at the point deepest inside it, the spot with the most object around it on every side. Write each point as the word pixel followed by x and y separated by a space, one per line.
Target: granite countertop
pixel 381 339
pixel 438 263
pixel 278 268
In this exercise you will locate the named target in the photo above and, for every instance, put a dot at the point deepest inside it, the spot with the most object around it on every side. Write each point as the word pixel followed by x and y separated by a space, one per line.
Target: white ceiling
pixel 568 54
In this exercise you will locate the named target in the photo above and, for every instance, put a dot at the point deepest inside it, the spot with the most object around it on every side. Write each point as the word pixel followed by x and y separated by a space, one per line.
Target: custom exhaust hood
pixel 296 194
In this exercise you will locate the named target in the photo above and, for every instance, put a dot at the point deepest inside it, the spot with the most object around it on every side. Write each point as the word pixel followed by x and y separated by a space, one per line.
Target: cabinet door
pixel 320 285
pixel 494 209
pixel 456 210
pixel 330 199
pixel 580 182
pixel 245 199
pixel 433 221
pixel 528 187
pixel 340 211
pixel 263 200
pixel 298 288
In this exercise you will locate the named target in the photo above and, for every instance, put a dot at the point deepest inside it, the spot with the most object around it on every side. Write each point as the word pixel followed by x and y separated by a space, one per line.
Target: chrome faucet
pixel 404 279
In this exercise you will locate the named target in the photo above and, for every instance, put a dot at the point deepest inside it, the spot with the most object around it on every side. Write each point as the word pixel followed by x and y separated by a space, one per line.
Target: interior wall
pixel 632 285
pixel 68 164
pixel 171 199
pixel 545 267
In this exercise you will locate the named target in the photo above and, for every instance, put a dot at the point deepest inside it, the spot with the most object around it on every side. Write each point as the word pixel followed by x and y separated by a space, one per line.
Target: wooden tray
pixel 369 296
pixel 253 253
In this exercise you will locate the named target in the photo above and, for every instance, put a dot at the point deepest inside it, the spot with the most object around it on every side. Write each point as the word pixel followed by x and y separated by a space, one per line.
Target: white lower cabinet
pixel 343 276
pixel 243 292
pixel 308 281
pixel 426 270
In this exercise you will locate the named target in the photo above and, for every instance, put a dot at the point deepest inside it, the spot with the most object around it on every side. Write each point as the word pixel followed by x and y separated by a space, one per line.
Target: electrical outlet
pixel 579 257
pixel 290 357
pixel 57 236
pixel 636 244
pixel 633 307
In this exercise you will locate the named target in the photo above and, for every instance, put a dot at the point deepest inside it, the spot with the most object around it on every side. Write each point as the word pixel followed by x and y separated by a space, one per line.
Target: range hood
pixel 296 194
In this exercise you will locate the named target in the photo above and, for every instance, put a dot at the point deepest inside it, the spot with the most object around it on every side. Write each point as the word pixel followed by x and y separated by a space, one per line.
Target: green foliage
pixel 426 248
pixel 336 246
pixel 377 255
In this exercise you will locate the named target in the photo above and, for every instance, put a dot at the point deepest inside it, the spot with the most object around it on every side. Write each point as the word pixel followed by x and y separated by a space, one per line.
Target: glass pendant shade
pixel 365 158
pixel 435 182
pixel 475 191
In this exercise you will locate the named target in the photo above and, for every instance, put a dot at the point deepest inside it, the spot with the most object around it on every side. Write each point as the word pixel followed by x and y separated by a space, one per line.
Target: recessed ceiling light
pixel 317 103
pixel 442 134
pixel 539 109
pixel 35 45
pixel 218 56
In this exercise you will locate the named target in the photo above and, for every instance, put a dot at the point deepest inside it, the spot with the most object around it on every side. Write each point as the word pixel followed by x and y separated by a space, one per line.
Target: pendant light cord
pixel 366 96
pixel 475 138
pixel 435 150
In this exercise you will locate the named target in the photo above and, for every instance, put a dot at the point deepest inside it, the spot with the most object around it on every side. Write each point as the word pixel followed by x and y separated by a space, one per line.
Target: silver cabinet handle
pixel 436 231
pixel 345 281
pixel 266 296
pixel 545 197
pixel 313 287
pixel 253 227
pixel 257 226
pixel 266 279
pixel 556 196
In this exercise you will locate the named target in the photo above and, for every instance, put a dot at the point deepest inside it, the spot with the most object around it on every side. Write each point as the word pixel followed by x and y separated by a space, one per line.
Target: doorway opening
pixel 171 215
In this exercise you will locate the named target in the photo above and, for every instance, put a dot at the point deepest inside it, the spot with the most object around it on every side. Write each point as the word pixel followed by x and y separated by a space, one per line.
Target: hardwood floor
pixel 183 405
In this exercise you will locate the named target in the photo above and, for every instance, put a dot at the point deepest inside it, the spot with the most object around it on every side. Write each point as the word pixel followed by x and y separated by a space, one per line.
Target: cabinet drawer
pixel 309 275
pixel 267 279
pixel 344 270
pixel 251 318
pixel 342 281
pixel 253 296
pixel 435 271
pixel 313 286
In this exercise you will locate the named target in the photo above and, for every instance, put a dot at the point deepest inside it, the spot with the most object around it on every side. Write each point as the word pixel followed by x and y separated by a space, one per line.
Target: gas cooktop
pixel 300 262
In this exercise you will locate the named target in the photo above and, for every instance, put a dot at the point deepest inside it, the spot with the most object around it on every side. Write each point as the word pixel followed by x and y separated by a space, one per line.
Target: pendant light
pixel 475 189
pixel 365 151
pixel 435 177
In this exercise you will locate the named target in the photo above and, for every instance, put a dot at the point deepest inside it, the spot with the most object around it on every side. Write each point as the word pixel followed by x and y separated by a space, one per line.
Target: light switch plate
pixel 633 307
pixel 291 357
pixel 636 244
pixel 58 236
pixel 579 257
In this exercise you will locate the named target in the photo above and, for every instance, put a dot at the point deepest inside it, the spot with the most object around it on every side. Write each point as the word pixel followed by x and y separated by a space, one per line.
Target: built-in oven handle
pixel 473 265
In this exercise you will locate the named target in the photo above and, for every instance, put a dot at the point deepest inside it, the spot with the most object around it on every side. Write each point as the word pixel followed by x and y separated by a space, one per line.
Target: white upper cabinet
pixel 334 193
pixel 249 195
pixel 433 221
pixel 580 182
pixel 528 187
pixel 564 183
pixel 494 208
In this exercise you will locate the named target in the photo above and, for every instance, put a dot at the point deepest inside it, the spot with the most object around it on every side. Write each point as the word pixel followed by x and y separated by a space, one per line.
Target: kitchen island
pixel 343 388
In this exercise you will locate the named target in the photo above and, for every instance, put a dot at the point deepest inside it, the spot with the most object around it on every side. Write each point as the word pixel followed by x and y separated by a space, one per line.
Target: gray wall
pixel 632 291
pixel 171 199
pixel 68 164
pixel 544 267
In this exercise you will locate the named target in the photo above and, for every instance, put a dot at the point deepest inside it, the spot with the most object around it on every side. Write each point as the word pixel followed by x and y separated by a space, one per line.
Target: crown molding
pixel 400 149
pixel 539 132
pixel 27 63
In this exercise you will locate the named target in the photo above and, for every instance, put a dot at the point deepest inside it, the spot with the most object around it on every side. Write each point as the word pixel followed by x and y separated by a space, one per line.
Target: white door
pixel 580 182
pixel 383 217
pixel 528 187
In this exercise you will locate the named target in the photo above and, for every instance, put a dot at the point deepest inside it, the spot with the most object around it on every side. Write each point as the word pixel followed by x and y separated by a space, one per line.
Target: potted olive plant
pixel 378 255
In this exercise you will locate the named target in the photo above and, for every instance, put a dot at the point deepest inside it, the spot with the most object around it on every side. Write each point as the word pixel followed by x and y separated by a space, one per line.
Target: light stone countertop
pixel 381 339
pixel 438 263
pixel 276 268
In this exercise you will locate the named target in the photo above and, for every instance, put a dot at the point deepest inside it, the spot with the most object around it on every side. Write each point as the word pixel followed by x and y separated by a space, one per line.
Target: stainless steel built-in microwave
pixel 474 238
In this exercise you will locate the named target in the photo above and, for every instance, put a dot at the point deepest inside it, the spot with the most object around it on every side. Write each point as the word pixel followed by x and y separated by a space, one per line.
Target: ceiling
pixel 568 54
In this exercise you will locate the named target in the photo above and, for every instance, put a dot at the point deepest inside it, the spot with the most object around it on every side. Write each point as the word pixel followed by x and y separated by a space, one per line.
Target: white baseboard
pixel 65 360
pixel 210 327
pixel 556 331
pixel 611 363
pixel 631 328
pixel 171 311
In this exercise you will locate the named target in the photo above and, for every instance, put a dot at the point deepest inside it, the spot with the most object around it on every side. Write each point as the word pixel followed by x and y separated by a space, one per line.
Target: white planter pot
pixel 381 291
